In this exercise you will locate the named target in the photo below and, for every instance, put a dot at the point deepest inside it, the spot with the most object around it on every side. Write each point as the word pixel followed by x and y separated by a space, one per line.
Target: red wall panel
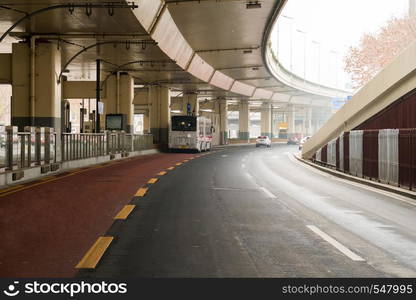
pixel 400 114
pixel 324 154
pixel 346 152
pixel 407 160
pixel 370 154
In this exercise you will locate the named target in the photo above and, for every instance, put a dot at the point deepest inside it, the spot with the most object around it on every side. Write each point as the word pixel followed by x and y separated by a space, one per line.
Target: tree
pixel 376 50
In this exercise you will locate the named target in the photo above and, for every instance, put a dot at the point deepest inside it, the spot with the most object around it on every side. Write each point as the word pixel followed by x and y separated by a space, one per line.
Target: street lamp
pixel 319 59
pixel 291 41
pixel 304 52
pixel 335 66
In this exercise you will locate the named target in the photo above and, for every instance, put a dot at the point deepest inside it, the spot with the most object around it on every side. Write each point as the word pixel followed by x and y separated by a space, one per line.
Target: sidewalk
pixel 47 226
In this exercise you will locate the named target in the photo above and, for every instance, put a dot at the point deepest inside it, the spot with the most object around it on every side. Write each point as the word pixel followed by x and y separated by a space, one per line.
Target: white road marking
pixel 356 184
pixel 268 193
pixel 224 155
pixel 344 250
pixel 243 165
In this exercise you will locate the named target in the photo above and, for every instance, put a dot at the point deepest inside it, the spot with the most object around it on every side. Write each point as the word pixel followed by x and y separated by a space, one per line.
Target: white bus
pixel 190 132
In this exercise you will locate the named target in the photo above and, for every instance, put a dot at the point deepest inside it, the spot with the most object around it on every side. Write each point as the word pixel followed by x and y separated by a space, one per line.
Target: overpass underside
pixel 101 200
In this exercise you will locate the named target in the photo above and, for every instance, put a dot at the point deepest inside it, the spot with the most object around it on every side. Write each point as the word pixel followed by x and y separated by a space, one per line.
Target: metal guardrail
pixel 87 145
pixel 37 146
pixel 33 147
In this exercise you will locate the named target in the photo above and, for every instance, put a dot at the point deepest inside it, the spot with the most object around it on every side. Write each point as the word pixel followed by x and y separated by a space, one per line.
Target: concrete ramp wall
pixel 395 81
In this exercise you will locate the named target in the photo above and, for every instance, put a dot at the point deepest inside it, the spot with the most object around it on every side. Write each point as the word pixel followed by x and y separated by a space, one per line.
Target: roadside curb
pixel 381 186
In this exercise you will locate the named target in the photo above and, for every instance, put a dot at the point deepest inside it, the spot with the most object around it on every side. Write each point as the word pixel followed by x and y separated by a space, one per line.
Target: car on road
pixel 263 141
pixel 303 141
pixel 293 141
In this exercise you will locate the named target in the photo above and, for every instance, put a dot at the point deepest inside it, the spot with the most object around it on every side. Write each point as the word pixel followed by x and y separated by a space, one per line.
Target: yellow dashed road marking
pixel 171 168
pixel 178 164
pixel 161 173
pixel 124 212
pixel 141 192
pixel 94 254
pixel 152 180
pixel 186 160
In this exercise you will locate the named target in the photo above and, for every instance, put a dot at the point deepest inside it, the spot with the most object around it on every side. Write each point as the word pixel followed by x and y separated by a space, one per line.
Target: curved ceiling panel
pixel 262 94
pixel 200 68
pixel 221 81
pixel 147 12
pixel 242 89
pixel 171 41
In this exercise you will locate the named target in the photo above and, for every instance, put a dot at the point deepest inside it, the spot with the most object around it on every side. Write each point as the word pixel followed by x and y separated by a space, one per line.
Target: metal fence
pixel 385 155
pixel 36 146
pixel 87 145
pixel 33 147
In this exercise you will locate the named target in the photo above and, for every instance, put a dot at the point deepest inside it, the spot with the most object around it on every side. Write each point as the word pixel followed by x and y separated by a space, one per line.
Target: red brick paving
pixel 46 229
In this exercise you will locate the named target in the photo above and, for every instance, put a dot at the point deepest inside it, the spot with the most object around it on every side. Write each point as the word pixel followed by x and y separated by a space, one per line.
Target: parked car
pixel 263 141
pixel 303 141
pixel 293 141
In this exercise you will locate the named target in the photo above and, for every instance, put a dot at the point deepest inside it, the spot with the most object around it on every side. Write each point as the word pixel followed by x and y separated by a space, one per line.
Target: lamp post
pixel 319 59
pixel 291 41
pixel 304 52
pixel 335 66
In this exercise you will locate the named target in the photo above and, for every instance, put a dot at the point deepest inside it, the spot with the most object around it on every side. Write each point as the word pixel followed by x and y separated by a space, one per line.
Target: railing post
pixel 31 144
pixel 3 147
pixel 107 134
pixel 10 134
pixel 47 145
pixel 38 146
pixel 63 146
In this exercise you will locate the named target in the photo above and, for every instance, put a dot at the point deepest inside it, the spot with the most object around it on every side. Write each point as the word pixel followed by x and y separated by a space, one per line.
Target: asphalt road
pixel 257 212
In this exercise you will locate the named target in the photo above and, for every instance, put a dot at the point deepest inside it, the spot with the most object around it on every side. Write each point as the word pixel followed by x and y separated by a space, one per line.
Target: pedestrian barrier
pixel 37 146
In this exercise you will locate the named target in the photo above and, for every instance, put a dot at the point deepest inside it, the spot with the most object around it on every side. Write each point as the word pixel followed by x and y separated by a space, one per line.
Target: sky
pixel 326 29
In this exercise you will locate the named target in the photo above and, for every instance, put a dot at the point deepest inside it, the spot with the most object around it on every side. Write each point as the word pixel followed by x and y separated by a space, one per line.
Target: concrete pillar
pixel 126 100
pixel 266 115
pixel 37 97
pixel 309 129
pixel 192 100
pixel 47 91
pixel 119 98
pixel 244 119
pixel 146 123
pixel 159 97
pixel 223 110
pixel 291 130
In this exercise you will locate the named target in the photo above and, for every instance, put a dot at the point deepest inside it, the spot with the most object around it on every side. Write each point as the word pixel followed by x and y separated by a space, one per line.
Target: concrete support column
pixel 119 99
pixel 37 96
pixel 126 107
pixel 266 115
pixel 146 123
pixel 45 109
pixel 291 130
pixel 309 129
pixel 159 97
pixel 223 110
pixel 192 100
pixel 244 120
